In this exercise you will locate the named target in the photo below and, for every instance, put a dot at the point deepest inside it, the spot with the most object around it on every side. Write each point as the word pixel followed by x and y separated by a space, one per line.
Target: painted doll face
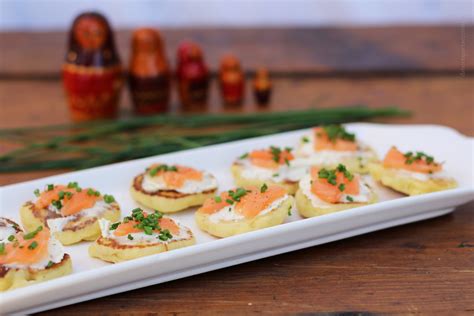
pixel 90 33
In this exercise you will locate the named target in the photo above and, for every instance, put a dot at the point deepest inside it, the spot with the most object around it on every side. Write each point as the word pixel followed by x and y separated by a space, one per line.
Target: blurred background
pixel 42 15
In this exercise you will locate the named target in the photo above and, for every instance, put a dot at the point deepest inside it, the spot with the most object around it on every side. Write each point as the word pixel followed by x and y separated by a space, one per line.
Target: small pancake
pixel 166 201
pixel 389 177
pixel 240 181
pixel 230 228
pixel 81 228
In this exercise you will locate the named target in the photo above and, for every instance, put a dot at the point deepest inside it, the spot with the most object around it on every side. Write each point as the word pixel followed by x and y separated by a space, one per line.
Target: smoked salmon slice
pixel 323 142
pixel 26 251
pixel 254 202
pixel 177 178
pixel 332 192
pixel 129 227
pixel 418 162
pixel 249 204
pixel 48 196
pixel 215 204
pixel 270 158
pixel 70 204
pixel 79 201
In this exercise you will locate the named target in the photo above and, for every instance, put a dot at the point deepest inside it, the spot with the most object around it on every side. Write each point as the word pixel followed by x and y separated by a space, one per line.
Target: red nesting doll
pixel 262 87
pixel 92 72
pixel 231 80
pixel 193 77
pixel 149 75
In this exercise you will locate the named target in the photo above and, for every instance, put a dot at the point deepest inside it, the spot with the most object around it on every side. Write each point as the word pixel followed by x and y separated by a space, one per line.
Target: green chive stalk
pixel 90 144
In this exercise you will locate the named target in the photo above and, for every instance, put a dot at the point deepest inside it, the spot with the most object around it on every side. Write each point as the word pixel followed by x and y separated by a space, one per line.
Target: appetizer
pixel 411 173
pixel 27 258
pixel 326 191
pixel 70 212
pixel 273 166
pixel 244 209
pixel 138 235
pixel 172 188
pixel 330 145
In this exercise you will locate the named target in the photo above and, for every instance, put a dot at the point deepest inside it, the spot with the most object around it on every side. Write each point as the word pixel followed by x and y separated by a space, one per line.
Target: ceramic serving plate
pixel 93 278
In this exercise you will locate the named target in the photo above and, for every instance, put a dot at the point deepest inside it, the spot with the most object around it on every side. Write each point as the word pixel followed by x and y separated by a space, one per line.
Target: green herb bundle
pixel 97 143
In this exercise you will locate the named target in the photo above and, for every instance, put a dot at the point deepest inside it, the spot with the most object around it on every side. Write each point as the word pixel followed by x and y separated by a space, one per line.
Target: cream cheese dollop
pixel 6 230
pixel 55 255
pixel 331 157
pixel 99 208
pixel 141 237
pixel 228 213
pixel 293 172
pixel 363 196
pixel 156 183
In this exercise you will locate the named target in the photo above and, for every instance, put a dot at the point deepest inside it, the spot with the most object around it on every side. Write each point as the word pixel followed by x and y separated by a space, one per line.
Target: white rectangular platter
pixel 93 278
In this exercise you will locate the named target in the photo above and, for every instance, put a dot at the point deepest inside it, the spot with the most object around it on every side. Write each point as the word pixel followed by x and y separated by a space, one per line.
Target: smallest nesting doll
pixel 92 72
pixel 149 74
pixel 231 81
pixel 193 77
pixel 262 87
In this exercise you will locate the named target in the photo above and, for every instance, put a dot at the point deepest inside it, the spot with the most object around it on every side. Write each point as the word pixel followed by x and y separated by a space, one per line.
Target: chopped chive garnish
pixel 130 237
pixel 109 198
pixel 229 201
pixel 11 238
pixel 287 162
pixel 335 132
pixel 275 174
pixel 148 230
pixel 349 198
pixel 32 234
pixel 50 264
pixel 90 191
pixel 341 187
pixel 37 192
pixel 61 195
pixel 289 210
pixel 114 226
pixel 243 156
pixel 155 170
pixel 57 204
pixel 305 139
pixel 50 187
pixel 68 194
pixel 2 248
pixel 263 188
pixel 33 245
pixel 218 199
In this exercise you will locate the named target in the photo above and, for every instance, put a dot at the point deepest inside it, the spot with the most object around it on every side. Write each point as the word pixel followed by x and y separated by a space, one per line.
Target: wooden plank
pixel 416 268
pixel 314 51
pixel 433 100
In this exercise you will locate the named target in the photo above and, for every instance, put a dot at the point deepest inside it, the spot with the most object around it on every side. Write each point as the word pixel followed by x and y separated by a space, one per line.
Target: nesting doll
pixel 262 87
pixel 193 77
pixel 231 81
pixel 92 73
pixel 149 75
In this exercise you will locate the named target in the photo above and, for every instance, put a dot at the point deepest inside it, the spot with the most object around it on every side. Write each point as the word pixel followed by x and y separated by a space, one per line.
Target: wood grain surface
pixel 287 51
pixel 421 268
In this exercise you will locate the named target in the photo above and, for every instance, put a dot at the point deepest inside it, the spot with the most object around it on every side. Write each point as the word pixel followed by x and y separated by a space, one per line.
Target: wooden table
pixel 426 267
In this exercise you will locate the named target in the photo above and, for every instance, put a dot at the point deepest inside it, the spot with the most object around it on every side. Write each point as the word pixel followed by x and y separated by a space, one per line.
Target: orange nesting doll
pixel 262 87
pixel 193 77
pixel 149 75
pixel 231 80
pixel 92 73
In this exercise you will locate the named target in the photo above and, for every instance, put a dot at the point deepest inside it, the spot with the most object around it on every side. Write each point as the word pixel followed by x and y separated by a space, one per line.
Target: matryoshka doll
pixel 149 75
pixel 92 72
pixel 231 80
pixel 193 77
pixel 262 87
